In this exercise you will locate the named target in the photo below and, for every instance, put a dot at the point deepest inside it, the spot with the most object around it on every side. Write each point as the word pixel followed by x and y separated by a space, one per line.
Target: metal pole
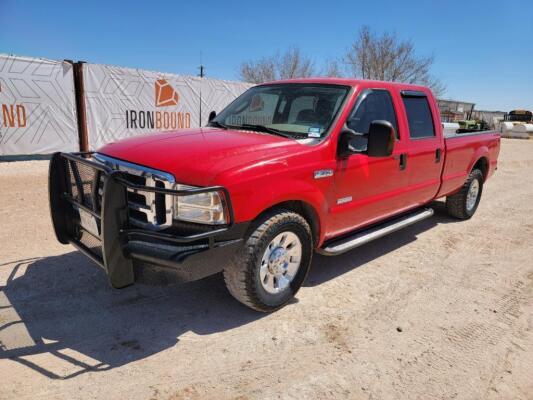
pixel 80 105
pixel 200 122
pixel 202 74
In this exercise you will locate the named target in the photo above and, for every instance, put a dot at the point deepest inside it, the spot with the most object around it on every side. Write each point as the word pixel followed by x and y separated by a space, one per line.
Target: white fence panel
pixel 124 102
pixel 37 106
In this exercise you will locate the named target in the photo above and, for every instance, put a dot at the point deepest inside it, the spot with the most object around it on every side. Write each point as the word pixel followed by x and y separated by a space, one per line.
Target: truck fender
pixel 270 196
pixel 482 152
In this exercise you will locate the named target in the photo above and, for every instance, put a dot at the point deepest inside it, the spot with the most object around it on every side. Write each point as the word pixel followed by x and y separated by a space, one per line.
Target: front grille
pixel 146 209
pixel 149 209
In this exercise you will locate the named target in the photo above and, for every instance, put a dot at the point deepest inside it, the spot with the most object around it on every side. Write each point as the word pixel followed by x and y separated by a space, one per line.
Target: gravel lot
pixel 443 309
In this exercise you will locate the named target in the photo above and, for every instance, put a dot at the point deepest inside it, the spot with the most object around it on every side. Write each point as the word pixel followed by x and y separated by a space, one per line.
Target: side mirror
pixel 346 142
pixel 381 138
pixel 351 142
pixel 212 116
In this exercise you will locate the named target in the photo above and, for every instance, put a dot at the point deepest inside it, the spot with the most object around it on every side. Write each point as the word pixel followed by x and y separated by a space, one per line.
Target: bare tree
pixel 333 69
pixel 291 64
pixel 387 58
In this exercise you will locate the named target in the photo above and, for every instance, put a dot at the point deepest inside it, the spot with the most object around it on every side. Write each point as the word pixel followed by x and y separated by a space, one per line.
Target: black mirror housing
pixel 344 148
pixel 212 116
pixel 381 138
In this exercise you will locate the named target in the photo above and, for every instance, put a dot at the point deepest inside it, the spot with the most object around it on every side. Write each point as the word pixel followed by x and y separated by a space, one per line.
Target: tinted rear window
pixel 419 117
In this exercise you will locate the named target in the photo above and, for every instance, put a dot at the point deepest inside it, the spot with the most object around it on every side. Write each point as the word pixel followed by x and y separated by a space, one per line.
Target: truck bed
pixel 464 149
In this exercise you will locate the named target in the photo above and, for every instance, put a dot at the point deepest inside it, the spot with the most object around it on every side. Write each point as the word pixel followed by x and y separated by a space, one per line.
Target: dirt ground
pixel 443 309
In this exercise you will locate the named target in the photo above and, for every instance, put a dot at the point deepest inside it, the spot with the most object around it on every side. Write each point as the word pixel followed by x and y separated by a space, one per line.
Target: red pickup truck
pixel 287 169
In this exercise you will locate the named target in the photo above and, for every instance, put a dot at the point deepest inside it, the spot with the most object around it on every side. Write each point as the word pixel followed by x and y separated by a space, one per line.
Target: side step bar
pixel 361 237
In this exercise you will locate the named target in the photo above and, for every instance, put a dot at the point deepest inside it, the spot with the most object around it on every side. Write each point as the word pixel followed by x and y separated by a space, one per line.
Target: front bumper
pixel 82 189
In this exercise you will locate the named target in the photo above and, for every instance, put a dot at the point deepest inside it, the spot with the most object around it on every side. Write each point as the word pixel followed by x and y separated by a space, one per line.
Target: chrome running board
pixel 361 237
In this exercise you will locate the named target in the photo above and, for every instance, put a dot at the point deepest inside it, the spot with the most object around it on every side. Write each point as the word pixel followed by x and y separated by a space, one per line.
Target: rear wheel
pixel 464 203
pixel 272 265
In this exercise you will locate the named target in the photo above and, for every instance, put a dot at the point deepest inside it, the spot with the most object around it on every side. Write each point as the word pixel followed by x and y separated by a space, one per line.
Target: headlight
pixel 203 208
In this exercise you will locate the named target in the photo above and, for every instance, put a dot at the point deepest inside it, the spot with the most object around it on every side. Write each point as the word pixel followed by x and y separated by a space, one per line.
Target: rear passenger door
pixel 425 147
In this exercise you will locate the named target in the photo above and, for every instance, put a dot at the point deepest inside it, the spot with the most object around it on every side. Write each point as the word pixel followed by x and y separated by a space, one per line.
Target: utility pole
pixel 201 67
pixel 201 75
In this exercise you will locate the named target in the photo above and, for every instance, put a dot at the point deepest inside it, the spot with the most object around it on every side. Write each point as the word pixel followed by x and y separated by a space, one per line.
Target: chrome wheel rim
pixel 472 194
pixel 280 262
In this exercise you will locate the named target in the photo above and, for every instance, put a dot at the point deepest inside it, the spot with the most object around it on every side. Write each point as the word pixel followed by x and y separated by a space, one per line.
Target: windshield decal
pixel 314 132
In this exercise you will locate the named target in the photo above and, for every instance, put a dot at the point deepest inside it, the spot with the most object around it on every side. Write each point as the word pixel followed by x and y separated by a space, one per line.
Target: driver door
pixel 369 189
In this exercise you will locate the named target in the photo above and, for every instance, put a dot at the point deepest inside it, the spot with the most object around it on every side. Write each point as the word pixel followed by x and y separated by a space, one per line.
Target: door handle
pixel 438 154
pixel 403 161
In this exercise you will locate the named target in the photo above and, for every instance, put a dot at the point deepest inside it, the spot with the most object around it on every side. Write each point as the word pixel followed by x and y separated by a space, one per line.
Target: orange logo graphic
pixel 165 95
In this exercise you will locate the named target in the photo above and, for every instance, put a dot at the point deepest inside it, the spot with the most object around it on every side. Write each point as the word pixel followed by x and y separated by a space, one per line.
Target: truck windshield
pixel 298 110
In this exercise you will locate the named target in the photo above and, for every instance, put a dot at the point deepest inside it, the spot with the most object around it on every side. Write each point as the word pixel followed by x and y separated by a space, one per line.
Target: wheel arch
pixel 483 165
pixel 305 209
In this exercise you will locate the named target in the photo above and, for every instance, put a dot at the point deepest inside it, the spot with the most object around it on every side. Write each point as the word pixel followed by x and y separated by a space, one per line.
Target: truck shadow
pixel 63 307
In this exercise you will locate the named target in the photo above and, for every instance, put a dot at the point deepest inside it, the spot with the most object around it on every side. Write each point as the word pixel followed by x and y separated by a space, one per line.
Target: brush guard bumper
pixel 89 209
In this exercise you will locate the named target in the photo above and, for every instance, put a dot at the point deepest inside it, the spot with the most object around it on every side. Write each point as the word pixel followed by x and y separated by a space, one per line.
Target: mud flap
pixel 114 217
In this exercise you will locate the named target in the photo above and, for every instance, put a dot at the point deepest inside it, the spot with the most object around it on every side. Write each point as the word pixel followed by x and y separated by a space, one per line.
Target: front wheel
pixel 273 263
pixel 464 203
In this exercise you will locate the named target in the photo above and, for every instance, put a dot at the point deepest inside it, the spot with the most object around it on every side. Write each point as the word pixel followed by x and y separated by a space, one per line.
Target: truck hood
pixel 199 156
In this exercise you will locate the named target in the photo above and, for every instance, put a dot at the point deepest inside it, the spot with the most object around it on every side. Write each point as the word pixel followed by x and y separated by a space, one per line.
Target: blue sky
pixel 483 49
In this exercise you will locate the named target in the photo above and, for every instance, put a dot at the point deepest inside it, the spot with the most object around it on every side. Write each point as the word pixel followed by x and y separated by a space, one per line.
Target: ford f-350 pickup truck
pixel 287 169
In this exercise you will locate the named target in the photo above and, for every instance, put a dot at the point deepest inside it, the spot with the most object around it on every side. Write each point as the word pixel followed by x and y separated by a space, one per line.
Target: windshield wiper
pixel 217 124
pixel 263 128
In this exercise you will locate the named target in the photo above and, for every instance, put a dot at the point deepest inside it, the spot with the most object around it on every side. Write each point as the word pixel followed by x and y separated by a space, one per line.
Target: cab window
pixel 259 110
pixel 418 116
pixel 298 109
pixel 376 104
pixel 299 106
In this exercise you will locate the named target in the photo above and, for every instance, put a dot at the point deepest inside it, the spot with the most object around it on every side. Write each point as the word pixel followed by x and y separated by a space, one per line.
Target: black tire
pixel 242 274
pixel 457 203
